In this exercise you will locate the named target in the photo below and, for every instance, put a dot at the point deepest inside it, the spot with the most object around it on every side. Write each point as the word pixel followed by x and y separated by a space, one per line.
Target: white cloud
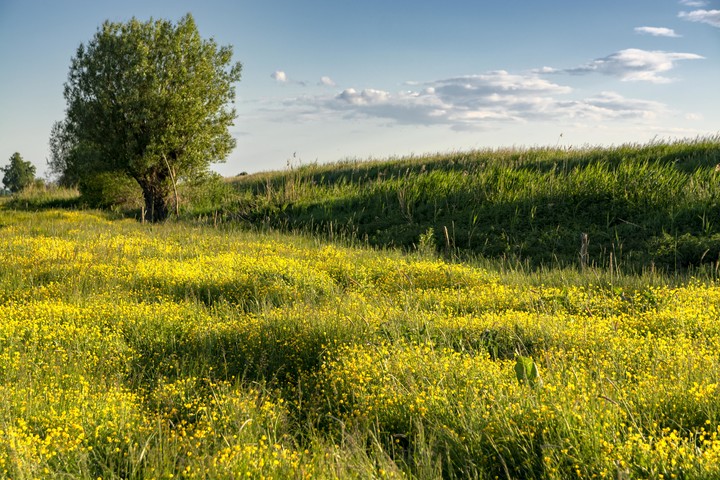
pixel 634 64
pixel 366 97
pixel 546 70
pixel 494 82
pixel 408 107
pixel 279 76
pixel 611 105
pixel 657 31
pixel 326 81
pixel 693 3
pixel 459 101
pixel 711 17
pixel 478 101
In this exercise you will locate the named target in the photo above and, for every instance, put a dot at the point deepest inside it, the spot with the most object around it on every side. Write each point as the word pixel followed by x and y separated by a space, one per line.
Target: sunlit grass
pixel 642 206
pixel 165 351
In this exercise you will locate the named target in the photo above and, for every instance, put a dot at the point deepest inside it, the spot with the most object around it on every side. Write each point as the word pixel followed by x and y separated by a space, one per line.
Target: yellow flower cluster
pixel 131 351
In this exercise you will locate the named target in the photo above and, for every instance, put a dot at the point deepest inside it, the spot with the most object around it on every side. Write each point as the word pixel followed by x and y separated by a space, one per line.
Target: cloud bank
pixel 490 99
pixel 458 101
pixel 472 102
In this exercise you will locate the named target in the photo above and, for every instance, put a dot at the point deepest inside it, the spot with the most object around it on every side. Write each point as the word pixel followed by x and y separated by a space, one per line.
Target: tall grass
pixel 640 205
pixel 43 196
pixel 165 351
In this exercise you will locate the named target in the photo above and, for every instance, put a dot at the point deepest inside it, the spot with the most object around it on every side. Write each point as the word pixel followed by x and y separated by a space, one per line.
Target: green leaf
pixel 526 371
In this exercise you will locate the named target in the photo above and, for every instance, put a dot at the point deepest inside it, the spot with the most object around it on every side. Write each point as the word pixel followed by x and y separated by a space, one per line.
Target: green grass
pixel 34 198
pixel 185 350
pixel 172 350
pixel 642 206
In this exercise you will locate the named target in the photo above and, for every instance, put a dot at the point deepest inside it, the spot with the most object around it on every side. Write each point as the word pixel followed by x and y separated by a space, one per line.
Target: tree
pixel 149 100
pixel 64 152
pixel 18 174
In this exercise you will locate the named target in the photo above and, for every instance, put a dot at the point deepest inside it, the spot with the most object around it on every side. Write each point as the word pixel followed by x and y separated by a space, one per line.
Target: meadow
pixel 639 205
pixel 176 350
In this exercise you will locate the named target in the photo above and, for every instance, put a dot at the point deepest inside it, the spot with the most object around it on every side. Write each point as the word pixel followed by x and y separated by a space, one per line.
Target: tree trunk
pixel 155 193
pixel 156 206
pixel 174 185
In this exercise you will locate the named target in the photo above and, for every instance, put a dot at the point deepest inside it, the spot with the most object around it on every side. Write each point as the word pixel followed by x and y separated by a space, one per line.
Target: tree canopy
pixel 18 174
pixel 149 100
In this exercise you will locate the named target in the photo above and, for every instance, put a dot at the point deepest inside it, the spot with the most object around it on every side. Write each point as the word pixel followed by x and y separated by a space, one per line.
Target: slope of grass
pixel 642 205
pixel 164 351
pixel 42 197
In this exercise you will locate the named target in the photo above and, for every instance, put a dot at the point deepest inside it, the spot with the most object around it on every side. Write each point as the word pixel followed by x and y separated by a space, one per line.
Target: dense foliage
pixel 164 351
pixel 18 174
pixel 148 102
pixel 640 205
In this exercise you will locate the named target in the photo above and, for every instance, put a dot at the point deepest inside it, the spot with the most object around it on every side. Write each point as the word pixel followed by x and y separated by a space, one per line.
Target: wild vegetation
pixel 571 342
pixel 148 105
pixel 18 174
pixel 641 206
pixel 172 350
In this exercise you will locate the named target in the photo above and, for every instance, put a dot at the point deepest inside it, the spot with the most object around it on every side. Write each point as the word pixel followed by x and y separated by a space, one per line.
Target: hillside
pixel 644 206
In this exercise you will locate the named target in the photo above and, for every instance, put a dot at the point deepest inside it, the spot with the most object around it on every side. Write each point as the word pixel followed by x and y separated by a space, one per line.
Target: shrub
pixel 111 190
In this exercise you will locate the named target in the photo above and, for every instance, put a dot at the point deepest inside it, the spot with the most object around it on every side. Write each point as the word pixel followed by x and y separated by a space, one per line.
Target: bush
pixel 206 194
pixel 111 190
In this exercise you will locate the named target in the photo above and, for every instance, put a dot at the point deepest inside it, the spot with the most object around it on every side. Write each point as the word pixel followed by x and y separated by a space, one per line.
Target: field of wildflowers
pixel 173 351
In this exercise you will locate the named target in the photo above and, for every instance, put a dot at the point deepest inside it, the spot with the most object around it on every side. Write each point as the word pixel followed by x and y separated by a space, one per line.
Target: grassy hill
pixel 641 205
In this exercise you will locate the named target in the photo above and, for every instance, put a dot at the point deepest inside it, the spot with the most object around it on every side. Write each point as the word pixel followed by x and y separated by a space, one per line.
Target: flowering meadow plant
pixel 172 351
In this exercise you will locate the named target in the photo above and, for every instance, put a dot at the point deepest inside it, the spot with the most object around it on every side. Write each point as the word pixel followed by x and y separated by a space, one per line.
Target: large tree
pixel 18 174
pixel 150 100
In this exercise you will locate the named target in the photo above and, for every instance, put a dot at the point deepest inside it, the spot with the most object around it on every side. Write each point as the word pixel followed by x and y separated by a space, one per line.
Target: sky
pixel 325 81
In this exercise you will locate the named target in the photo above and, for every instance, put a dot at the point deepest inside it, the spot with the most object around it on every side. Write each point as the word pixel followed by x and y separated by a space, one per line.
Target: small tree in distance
pixel 149 101
pixel 18 174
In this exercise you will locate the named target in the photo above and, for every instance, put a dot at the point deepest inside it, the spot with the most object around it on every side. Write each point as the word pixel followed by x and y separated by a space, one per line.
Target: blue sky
pixel 330 80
